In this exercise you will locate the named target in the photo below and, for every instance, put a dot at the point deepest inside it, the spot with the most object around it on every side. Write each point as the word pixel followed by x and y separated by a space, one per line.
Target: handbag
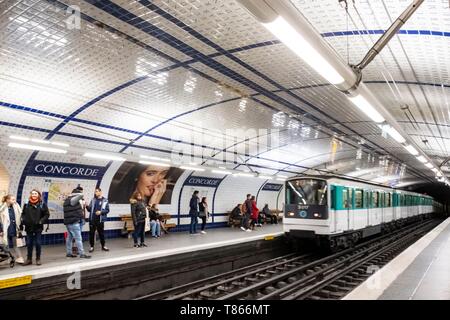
pixel 202 214
pixel 20 242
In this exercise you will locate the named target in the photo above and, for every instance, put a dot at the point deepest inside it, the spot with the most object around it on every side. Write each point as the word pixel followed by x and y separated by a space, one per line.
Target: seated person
pixel 155 221
pixel 236 212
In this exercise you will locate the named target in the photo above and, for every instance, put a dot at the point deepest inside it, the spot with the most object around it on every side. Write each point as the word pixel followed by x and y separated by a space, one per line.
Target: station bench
pixel 233 222
pixel 129 227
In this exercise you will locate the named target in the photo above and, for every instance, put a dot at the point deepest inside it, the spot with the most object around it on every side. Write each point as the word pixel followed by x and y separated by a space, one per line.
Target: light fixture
pixel 61 144
pixel 281 29
pixel 40 141
pixel 158 164
pixel 367 108
pixel 283 180
pixel 265 177
pixel 394 134
pixel 412 150
pixel 221 171
pixel 434 170
pixel 422 159
pixel 281 176
pixel 243 174
pixel 103 156
pixel 438 174
pixel 192 168
pixel 36 148
pixel 429 165
pixel 155 158
pixel 19 138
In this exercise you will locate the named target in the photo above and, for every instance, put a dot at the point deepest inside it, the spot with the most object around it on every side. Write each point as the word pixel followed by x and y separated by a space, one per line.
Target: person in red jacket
pixel 255 213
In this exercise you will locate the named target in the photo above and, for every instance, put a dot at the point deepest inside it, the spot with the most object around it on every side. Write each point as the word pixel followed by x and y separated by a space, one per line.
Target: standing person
pixel 98 208
pixel 10 217
pixel 203 213
pixel 73 219
pixel 255 213
pixel 138 214
pixel 34 215
pixel 155 221
pixel 193 212
pixel 246 213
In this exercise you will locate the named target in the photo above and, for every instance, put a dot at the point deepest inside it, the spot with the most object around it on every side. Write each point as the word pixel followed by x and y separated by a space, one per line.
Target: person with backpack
pixel 73 220
pixel 34 214
pixel 246 210
pixel 193 213
pixel 98 208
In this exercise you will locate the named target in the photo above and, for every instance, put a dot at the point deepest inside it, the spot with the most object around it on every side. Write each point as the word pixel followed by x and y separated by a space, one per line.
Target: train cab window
pixel 358 199
pixel 375 203
pixel 307 192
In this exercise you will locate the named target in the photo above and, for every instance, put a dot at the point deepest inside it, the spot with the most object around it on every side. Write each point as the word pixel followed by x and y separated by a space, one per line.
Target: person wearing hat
pixel 73 218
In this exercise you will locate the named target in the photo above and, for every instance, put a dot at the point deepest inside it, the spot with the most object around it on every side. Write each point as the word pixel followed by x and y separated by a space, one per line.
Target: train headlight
pixel 317 215
pixel 291 214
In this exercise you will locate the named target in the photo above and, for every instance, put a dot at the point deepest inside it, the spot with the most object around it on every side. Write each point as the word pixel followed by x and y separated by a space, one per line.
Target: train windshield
pixel 306 192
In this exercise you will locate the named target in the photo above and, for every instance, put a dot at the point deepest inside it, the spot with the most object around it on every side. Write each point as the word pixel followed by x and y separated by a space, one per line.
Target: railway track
pixel 301 277
pixel 216 286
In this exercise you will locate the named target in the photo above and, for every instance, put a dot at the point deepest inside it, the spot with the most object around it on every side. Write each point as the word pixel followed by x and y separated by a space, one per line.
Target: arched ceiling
pixel 205 77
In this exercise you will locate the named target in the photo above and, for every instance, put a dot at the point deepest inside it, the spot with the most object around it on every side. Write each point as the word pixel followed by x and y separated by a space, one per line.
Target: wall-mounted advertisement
pixel 155 183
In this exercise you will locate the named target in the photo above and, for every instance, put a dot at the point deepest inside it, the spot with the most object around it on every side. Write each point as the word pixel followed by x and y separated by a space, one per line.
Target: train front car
pixel 306 213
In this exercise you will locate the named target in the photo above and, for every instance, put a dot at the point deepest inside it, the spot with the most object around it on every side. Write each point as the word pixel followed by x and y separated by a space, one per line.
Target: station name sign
pixel 203 181
pixel 65 170
pixel 272 187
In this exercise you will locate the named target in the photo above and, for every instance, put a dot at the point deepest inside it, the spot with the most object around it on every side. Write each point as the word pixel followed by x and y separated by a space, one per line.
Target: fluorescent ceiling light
pixel 242 174
pixel 434 170
pixel 367 108
pixel 422 159
pixel 223 168
pixel 281 179
pixel 221 171
pixel 191 168
pixel 294 41
pixel 428 165
pixel 155 158
pixel 281 176
pixel 33 147
pixel 439 174
pixel 19 138
pixel 265 177
pixel 61 144
pixel 151 163
pixel 412 150
pixel 103 156
pixel 41 141
pixel 395 134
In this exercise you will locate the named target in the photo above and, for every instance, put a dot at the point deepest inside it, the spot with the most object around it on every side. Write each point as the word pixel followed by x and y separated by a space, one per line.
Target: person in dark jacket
pixel 203 213
pixel 73 217
pixel 138 214
pixel 193 213
pixel 246 213
pixel 155 221
pixel 34 215
pixel 98 208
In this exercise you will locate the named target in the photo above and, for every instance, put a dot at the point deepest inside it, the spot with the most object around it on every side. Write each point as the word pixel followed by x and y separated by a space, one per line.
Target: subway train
pixel 337 212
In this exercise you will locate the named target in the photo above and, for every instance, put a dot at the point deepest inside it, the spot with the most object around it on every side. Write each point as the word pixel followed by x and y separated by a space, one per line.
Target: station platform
pixel 421 272
pixel 123 255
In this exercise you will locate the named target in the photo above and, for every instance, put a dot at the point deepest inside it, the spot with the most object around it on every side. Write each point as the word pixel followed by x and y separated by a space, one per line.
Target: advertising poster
pixel 155 183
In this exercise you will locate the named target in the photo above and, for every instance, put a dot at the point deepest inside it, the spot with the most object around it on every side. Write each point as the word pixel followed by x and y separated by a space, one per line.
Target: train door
pixel 367 206
pixel 346 201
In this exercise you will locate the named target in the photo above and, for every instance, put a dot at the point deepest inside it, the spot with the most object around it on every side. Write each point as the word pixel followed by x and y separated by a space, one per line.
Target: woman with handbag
pixel 10 217
pixel 203 213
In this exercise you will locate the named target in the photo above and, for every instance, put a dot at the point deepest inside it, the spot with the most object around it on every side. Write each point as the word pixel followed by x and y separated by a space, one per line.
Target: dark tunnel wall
pixel 437 190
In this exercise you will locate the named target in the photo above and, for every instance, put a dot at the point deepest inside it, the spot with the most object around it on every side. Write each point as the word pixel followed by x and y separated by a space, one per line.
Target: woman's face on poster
pixel 150 178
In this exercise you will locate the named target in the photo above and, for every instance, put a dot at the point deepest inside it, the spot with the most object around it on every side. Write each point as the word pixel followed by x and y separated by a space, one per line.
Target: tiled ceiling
pixel 150 75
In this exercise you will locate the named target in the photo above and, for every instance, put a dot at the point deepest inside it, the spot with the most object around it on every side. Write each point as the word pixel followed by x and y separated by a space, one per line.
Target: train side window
pixel 358 199
pixel 345 198
pixel 387 200
pixel 350 198
pixel 375 200
pixel 366 200
pixel 333 197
